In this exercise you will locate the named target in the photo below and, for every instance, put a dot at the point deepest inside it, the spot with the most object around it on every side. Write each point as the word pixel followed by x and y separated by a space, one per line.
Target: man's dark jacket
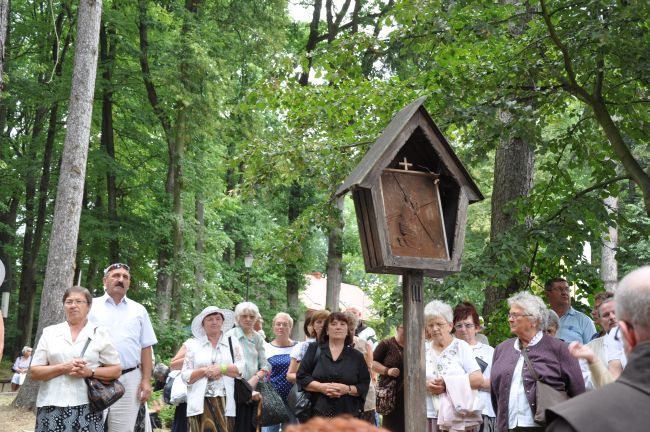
pixel 623 405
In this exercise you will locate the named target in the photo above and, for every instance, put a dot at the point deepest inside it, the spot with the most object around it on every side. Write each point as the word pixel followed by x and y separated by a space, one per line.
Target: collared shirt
pixel 576 326
pixel 253 349
pixel 129 325
pixel 614 349
pixel 519 412
pixel 55 347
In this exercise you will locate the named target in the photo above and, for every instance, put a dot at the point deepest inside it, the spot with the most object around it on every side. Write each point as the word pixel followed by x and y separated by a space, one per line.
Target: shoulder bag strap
pixel 232 355
pixel 529 363
pixel 83 351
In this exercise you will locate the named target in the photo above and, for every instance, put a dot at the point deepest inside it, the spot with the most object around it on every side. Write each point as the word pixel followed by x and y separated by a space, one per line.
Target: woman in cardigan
pixel 208 370
pixel 338 378
pixel 513 386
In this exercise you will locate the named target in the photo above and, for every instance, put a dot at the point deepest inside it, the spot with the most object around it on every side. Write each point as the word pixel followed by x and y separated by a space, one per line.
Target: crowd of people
pixel 341 369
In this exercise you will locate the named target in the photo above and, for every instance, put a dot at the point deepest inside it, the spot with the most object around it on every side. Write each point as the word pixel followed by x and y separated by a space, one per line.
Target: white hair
pixel 633 300
pixel 552 320
pixel 245 307
pixel 26 349
pixel 532 305
pixel 437 308
pixel 283 315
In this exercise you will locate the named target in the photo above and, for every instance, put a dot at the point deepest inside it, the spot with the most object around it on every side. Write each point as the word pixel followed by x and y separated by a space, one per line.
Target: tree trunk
pixel 608 264
pixel 335 256
pixel 107 55
pixel 513 178
pixel 293 274
pixel 4 25
pixel 67 210
pixel 199 268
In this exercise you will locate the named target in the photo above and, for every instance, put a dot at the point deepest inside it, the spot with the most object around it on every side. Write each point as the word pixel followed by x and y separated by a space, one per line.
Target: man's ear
pixel 629 335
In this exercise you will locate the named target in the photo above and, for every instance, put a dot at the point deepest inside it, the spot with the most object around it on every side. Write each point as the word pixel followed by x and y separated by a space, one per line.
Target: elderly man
pixel 364 332
pixel 134 338
pixel 574 325
pixel 622 405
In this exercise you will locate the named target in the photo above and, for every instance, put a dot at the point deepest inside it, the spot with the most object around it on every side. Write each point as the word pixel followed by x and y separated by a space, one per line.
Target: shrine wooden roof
pixel 391 141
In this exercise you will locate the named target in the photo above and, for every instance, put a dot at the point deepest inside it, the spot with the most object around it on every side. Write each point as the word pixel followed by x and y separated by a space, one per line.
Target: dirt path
pixel 13 419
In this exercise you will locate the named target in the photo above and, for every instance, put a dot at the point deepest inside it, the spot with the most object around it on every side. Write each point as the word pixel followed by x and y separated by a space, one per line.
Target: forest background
pixel 222 128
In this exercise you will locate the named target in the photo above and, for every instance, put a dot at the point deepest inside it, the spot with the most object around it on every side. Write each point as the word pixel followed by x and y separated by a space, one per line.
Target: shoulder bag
pixel 547 396
pixel 243 390
pixel 102 393
pixel 299 400
pixel 387 390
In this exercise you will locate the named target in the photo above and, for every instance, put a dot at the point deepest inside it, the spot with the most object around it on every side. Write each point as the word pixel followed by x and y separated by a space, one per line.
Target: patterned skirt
pixel 213 418
pixel 68 419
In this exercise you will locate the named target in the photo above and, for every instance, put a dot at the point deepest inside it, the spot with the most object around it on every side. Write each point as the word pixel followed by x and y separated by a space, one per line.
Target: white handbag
pixel 179 389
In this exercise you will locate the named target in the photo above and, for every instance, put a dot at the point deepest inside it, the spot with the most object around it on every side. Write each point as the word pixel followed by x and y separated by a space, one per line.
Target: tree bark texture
pixel 513 178
pixel 608 263
pixel 4 25
pixel 293 274
pixel 67 211
pixel 335 256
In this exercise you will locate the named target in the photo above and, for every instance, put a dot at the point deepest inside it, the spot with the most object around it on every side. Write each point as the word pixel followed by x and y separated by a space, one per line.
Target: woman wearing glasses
pixel 278 353
pixel 62 402
pixel 466 326
pixel 513 385
pixel 447 358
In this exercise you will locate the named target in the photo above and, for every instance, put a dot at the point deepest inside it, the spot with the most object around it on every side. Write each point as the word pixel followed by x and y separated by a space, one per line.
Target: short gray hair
pixel 437 308
pixel 245 307
pixel 26 349
pixel 352 318
pixel 532 305
pixel 552 320
pixel 283 315
pixel 633 300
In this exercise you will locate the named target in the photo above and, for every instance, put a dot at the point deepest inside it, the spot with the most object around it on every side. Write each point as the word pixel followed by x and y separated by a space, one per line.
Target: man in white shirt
pixel 364 332
pixel 133 336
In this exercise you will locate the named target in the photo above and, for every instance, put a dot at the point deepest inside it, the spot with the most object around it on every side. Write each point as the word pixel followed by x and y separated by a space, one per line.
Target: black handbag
pixel 102 393
pixel 243 390
pixel 273 409
pixel 300 400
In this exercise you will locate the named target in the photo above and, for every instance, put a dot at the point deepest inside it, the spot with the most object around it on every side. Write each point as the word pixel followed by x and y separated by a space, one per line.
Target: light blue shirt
pixel 253 349
pixel 576 326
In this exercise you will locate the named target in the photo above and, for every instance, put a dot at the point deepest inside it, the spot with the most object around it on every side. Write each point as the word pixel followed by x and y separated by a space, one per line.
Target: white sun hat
pixel 197 323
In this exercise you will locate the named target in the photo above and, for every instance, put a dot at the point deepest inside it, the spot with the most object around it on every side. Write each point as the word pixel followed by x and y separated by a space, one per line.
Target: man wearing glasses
pixel 574 325
pixel 623 404
pixel 133 337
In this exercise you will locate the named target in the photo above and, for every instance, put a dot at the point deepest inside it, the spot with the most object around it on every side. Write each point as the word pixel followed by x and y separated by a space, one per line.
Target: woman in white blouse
pixel 62 402
pixel 211 363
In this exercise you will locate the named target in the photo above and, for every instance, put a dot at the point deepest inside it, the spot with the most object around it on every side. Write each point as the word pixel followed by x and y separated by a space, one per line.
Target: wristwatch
pixel 92 375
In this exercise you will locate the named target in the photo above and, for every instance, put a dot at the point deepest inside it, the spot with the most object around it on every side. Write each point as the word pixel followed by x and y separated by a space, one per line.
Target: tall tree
pixel 67 211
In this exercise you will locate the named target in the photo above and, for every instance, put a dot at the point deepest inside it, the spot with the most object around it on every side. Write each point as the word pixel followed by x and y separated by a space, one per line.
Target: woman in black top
pixel 338 378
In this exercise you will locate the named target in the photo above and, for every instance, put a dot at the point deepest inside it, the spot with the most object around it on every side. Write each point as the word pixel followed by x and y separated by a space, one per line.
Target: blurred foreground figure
pixel 623 404
pixel 337 424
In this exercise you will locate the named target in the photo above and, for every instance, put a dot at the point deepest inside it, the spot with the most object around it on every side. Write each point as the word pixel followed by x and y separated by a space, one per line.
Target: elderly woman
pixel 278 353
pixel 313 328
pixel 211 362
pixel 256 366
pixel 551 323
pixel 20 368
pixel 62 401
pixel 513 386
pixel 335 373
pixel 446 356
pixel 388 362
pixel 466 326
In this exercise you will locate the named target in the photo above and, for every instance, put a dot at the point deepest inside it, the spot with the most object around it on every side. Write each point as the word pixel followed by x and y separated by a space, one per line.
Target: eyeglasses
pixel 566 290
pixel 74 302
pixel 115 267
pixel 516 315
pixel 460 326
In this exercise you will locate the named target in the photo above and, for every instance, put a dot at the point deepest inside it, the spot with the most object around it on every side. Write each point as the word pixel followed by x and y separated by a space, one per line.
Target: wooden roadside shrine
pixel 411 194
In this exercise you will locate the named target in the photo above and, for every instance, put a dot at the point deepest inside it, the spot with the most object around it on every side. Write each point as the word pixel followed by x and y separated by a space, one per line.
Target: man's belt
pixel 126 371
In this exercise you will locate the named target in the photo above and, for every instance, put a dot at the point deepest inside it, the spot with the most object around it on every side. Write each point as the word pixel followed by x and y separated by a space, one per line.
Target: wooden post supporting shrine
pixel 414 372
